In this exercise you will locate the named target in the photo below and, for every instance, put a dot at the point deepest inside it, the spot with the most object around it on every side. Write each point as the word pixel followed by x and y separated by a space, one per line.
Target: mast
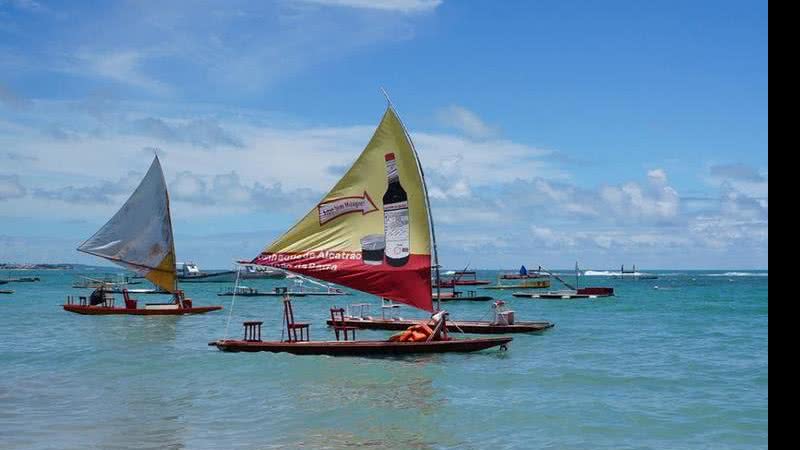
pixel 427 202
pixel 169 221
pixel 559 279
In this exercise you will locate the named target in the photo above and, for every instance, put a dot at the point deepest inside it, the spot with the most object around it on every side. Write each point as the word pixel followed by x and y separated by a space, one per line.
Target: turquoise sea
pixel 681 366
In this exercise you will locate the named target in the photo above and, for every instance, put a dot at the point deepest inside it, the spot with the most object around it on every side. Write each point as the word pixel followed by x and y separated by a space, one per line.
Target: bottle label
pixel 395 225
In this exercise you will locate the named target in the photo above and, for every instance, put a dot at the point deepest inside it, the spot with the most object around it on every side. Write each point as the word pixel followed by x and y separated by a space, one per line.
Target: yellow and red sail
pixel 371 232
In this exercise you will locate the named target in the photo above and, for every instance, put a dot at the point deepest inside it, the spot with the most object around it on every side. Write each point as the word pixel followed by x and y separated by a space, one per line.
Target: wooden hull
pixel 467 326
pixel 262 294
pixel 209 277
pixel 449 284
pixel 539 284
pixel 589 292
pixel 361 348
pixel 275 294
pixel 474 298
pixel 556 296
pixel 104 311
pixel 22 280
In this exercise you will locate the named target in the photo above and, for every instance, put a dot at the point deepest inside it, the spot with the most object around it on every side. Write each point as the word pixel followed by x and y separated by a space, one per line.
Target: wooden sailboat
pixel 372 232
pixel 139 238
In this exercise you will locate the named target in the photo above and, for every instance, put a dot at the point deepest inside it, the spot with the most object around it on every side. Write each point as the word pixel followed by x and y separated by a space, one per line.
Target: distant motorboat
pixel 572 292
pixel 634 274
pixel 244 291
pixel 189 272
pixel 20 280
pixel 94 283
pixel 255 272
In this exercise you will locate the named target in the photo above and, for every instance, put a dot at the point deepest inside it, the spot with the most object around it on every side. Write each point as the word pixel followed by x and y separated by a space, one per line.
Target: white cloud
pixel 227 190
pixel 204 133
pixel 10 187
pixel 490 198
pixel 453 160
pixel 737 171
pixel 123 66
pixel 631 200
pixel 741 178
pixel 26 5
pixel 386 5
pixel 221 51
pixel 465 121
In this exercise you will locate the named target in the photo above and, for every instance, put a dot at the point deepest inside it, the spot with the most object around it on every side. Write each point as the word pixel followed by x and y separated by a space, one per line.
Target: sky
pixel 608 133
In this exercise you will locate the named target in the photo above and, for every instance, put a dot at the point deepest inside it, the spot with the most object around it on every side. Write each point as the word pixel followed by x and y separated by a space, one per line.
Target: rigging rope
pixel 233 300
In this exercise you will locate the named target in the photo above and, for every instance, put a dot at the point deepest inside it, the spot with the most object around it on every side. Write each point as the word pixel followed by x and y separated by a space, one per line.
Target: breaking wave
pixel 739 274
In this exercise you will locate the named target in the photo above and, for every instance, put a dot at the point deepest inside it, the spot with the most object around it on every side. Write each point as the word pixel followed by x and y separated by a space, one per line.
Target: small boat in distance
pixel 85 282
pixel 6 291
pixel 373 233
pixel 634 274
pixel 523 274
pixel 244 291
pixel 189 272
pixel 462 278
pixel 455 295
pixel 138 238
pixel 20 280
pixel 522 280
pixel 573 292
pixel 253 272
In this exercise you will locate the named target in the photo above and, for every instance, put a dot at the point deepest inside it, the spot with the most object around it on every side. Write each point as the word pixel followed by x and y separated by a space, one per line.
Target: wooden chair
pixel 337 322
pixel 252 331
pixel 130 303
pixel 291 325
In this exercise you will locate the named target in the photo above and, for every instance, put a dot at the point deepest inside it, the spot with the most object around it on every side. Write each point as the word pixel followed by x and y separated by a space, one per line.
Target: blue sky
pixel 553 131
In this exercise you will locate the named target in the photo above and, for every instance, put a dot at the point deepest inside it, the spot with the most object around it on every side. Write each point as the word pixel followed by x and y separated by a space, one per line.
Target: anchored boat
pixel 244 291
pixel 573 292
pixel 138 238
pixel 372 232
pixel 189 272
pixel 462 278
pixel 503 321
pixel 522 280
pixel 466 296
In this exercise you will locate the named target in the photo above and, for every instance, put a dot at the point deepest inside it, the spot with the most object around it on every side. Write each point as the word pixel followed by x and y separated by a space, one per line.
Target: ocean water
pixel 680 362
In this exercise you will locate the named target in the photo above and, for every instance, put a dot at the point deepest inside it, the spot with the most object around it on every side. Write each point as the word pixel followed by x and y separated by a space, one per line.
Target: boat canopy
pixel 139 236
pixel 344 237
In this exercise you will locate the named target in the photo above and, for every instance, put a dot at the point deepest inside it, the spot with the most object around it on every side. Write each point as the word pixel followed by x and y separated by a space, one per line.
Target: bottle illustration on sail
pixel 395 217
pixel 346 240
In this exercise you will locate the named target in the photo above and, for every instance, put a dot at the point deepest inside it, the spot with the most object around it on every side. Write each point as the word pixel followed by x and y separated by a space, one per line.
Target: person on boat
pixel 98 296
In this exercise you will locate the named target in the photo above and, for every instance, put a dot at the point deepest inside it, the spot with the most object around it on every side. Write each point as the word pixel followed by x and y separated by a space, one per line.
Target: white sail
pixel 139 236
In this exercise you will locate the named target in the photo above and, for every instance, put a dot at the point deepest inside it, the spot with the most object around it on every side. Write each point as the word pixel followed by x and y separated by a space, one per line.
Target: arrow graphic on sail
pixel 332 209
